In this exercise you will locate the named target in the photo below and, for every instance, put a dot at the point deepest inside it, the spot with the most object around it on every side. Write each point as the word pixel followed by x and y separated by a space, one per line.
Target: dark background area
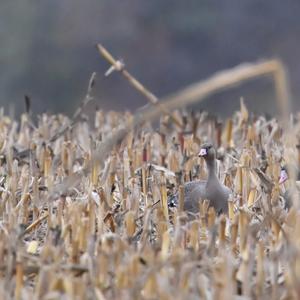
pixel 48 49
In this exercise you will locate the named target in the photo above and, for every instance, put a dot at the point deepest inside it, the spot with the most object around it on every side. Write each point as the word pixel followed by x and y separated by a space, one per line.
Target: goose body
pixel 210 189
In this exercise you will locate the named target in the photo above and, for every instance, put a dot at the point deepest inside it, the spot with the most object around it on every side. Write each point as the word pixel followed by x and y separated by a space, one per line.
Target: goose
pixel 284 176
pixel 286 193
pixel 199 190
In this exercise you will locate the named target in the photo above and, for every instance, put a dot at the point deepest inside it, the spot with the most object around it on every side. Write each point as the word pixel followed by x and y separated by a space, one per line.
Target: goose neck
pixel 211 166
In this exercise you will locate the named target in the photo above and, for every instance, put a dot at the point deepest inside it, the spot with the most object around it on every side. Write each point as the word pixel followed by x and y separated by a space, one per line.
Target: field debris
pixel 78 225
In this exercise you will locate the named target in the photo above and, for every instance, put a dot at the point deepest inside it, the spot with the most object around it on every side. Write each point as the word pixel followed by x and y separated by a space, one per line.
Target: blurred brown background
pixel 48 49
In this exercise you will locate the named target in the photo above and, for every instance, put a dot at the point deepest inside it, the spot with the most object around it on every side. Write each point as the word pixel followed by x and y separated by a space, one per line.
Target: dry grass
pixel 109 237
pixel 84 211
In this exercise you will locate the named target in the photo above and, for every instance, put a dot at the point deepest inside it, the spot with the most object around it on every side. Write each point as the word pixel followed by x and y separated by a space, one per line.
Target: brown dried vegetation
pixel 84 215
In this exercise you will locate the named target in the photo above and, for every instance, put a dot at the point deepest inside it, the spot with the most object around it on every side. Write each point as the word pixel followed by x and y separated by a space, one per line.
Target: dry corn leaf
pixel 244 111
pixel 130 223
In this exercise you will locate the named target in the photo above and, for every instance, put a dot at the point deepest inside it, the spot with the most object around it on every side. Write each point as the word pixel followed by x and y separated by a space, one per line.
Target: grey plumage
pixel 211 189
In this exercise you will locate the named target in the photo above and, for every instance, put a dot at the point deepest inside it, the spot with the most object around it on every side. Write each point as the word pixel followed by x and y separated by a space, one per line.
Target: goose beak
pixel 202 152
pixel 283 176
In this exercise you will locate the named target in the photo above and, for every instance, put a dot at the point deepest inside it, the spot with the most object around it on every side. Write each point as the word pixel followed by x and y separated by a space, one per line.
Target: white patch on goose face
pixel 283 176
pixel 203 152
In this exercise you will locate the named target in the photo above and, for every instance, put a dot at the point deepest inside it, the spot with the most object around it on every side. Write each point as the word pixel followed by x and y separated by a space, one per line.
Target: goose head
pixel 283 175
pixel 208 152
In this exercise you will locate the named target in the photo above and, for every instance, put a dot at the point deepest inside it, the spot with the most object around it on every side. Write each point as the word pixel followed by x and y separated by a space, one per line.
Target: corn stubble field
pixel 112 235
pixel 77 223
